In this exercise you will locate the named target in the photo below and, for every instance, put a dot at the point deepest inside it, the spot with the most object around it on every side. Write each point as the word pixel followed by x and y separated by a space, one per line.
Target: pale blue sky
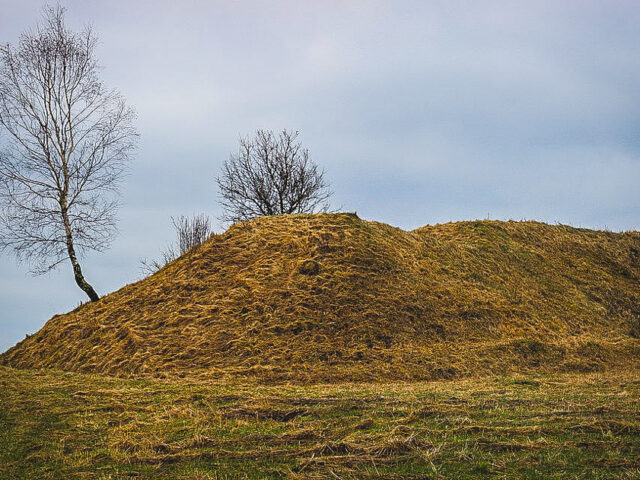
pixel 420 112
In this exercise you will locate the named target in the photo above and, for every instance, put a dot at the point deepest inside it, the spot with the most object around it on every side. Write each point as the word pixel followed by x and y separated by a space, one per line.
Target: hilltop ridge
pixel 314 298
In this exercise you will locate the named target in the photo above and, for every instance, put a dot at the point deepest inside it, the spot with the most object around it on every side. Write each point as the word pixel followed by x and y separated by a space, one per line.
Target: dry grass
pixel 316 298
pixel 57 425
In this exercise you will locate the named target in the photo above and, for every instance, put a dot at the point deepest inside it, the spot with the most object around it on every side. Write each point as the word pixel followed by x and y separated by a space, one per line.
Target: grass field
pixel 63 425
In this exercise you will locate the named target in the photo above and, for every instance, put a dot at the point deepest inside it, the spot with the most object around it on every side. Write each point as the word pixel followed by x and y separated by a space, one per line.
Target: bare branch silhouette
pixel 271 175
pixel 67 141
pixel 190 232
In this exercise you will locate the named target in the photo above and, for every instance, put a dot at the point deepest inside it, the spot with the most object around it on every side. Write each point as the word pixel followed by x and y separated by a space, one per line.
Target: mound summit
pixel 327 297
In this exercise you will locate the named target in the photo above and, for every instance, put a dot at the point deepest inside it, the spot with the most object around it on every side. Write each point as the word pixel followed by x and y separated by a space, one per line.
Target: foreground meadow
pixel 62 425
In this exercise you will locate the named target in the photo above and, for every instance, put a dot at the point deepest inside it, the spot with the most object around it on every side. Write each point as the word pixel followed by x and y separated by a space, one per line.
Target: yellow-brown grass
pixel 316 298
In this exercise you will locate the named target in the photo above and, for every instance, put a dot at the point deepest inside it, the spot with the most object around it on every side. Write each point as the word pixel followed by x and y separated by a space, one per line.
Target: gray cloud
pixel 420 112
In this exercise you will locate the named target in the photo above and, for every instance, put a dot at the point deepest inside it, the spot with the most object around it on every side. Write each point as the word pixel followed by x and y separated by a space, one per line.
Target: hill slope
pixel 330 296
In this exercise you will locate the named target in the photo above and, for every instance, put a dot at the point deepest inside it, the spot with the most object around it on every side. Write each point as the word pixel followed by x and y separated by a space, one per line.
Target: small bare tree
pixel 271 175
pixel 190 232
pixel 68 141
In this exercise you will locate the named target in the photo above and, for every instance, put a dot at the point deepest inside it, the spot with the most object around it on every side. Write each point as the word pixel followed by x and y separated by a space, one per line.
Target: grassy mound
pixel 312 298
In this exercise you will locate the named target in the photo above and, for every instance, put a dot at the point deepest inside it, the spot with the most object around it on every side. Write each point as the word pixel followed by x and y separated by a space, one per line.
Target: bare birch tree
pixel 271 175
pixel 66 142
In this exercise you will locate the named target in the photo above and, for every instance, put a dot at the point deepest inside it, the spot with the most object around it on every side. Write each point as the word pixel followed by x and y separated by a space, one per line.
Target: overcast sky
pixel 420 112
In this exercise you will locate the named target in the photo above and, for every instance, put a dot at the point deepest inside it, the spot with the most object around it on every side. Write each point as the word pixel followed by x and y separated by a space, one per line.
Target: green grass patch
pixel 61 425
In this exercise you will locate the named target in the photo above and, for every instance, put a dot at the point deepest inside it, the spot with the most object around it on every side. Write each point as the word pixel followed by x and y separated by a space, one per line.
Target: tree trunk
pixel 64 206
pixel 77 271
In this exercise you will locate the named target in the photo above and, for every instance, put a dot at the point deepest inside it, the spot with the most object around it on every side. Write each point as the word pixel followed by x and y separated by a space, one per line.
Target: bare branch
pixel 270 176
pixel 190 232
pixel 68 140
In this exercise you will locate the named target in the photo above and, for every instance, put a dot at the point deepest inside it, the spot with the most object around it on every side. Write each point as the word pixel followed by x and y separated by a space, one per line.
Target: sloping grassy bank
pixel 332 297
